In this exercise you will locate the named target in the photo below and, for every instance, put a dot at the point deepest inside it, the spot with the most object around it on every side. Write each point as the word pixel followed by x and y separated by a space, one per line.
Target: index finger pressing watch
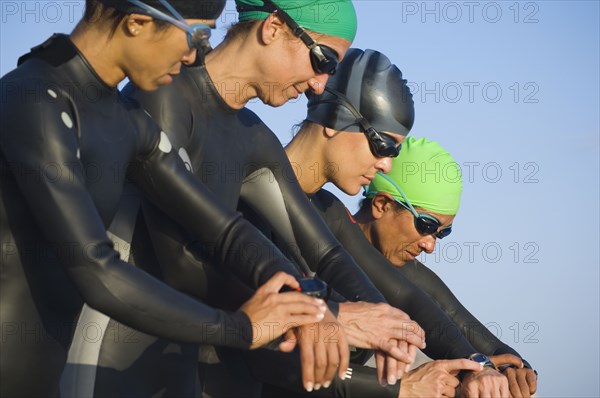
pixel 483 360
pixel 477 357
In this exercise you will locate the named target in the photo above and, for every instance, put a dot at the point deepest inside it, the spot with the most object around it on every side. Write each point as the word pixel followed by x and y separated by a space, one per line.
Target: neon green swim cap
pixel 329 17
pixel 428 175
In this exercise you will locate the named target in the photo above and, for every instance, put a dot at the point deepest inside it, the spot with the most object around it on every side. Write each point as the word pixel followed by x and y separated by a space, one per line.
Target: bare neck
pixel 233 70
pixel 306 153
pixel 101 51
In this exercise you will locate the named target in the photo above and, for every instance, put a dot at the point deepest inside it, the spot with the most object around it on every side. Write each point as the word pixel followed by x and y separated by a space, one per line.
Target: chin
pixel 351 191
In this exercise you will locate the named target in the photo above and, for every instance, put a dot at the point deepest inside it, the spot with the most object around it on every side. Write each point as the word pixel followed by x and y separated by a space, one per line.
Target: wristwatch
pixel 313 287
pixel 477 357
pixel 483 360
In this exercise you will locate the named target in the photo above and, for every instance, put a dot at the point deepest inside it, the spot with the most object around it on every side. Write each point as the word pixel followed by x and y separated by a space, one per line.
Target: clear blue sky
pixel 512 90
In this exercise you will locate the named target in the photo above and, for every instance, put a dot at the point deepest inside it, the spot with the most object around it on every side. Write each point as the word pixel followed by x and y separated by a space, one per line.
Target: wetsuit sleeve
pixel 480 337
pixel 226 237
pixel 282 370
pixel 36 138
pixel 274 192
pixel 444 340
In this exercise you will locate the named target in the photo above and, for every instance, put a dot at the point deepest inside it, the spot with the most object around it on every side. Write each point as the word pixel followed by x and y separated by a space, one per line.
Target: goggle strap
pixel 270 7
pixel 172 10
pixel 343 100
pixel 401 192
pixel 153 12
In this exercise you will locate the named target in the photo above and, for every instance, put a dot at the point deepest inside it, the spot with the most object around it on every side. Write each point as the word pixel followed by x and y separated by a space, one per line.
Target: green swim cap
pixel 426 173
pixel 329 17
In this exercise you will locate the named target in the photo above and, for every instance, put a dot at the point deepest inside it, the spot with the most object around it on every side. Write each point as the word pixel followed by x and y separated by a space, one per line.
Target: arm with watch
pixel 521 376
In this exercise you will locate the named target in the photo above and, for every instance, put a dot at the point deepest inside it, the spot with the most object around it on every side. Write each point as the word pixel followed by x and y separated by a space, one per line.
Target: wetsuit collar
pixel 59 50
pixel 206 87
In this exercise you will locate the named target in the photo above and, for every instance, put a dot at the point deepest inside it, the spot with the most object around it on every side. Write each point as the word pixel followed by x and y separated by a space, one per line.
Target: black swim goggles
pixel 323 59
pixel 426 224
pixel 382 145
pixel 197 34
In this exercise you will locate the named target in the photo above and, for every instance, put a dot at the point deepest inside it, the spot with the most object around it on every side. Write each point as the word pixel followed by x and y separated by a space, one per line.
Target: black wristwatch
pixel 477 357
pixel 313 287
pixel 483 360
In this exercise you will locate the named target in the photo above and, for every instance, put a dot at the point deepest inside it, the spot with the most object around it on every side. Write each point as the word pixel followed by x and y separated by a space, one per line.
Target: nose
pixel 384 165
pixel 318 83
pixel 189 57
pixel 427 243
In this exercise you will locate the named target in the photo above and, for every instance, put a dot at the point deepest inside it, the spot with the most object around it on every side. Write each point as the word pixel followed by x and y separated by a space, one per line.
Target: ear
pixel 381 203
pixel 271 27
pixel 136 23
pixel 329 133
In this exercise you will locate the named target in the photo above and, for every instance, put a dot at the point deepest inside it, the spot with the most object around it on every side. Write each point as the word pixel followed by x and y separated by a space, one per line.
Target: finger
pixel 401 366
pixel 289 341
pixel 323 355
pixel 391 366
pixel 291 297
pixel 412 333
pixel 459 364
pixel 448 391
pixel 470 391
pixel 504 391
pixel 523 385
pixel 506 359
pixel 277 281
pixel 392 349
pixel 532 381
pixel 451 381
pixel 380 365
pixel 307 360
pixel 344 352
pixel 301 320
pixel 513 385
pixel 297 303
pixel 412 353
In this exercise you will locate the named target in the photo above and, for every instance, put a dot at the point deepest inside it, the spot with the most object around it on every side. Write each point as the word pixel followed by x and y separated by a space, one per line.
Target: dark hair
pixel 95 11
pixel 365 203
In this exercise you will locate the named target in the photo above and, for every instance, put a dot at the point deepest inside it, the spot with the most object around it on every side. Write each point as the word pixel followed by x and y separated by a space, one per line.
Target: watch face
pixel 313 287
pixel 483 360
pixel 477 357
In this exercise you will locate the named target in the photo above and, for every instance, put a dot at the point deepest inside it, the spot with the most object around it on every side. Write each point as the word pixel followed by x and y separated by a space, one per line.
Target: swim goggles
pixel 323 59
pixel 197 34
pixel 426 224
pixel 382 145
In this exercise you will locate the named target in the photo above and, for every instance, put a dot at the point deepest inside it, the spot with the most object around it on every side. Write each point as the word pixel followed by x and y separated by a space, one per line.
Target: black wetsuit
pixel 398 286
pixel 235 154
pixel 451 331
pixel 67 143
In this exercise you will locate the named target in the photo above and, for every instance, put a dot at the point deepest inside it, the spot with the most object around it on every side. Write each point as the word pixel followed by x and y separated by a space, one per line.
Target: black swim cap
pixel 189 9
pixel 376 89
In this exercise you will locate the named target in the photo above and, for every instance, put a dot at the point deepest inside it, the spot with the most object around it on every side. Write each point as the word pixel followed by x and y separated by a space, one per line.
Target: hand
pixel 435 379
pixel 274 313
pixel 389 369
pixel 386 329
pixel 487 383
pixel 374 325
pixel 323 349
pixel 522 382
